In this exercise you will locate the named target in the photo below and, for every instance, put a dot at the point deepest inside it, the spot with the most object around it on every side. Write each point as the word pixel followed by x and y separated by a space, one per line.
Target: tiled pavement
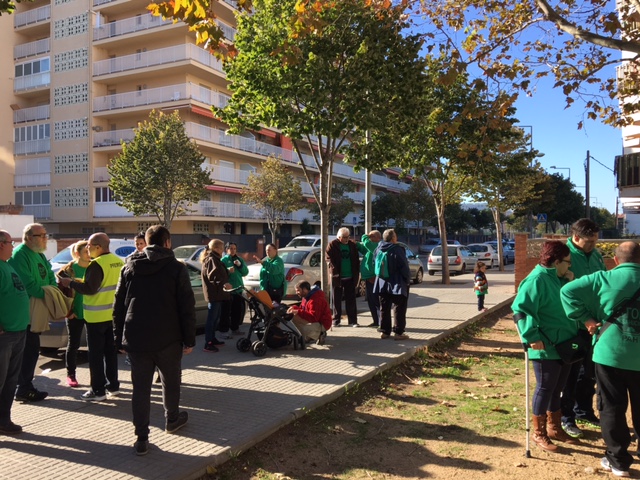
pixel 234 399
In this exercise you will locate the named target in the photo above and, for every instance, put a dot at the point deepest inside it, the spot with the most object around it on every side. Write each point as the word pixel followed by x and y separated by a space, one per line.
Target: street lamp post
pixel 562 168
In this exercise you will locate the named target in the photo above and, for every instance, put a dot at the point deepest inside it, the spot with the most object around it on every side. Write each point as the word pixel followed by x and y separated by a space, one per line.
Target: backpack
pixel 381 265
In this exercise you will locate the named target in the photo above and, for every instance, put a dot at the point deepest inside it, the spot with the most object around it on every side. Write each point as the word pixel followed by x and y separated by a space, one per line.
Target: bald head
pixel 100 239
pixel 375 235
pixel 628 252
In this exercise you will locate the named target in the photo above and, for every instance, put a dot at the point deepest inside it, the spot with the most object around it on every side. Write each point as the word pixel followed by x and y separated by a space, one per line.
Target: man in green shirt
pixel 344 269
pixel 577 396
pixel 34 269
pixel 14 319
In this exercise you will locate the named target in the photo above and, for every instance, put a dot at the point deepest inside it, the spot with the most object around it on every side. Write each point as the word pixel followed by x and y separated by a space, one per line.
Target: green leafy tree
pixel 273 192
pixel 385 207
pixel 341 205
pixel 160 171
pixel 416 203
pixel 603 218
pixel 480 220
pixel 515 43
pixel 9 6
pixel 322 74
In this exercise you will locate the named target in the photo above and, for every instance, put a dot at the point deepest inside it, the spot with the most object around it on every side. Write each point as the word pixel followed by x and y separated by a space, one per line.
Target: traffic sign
pixel 542 218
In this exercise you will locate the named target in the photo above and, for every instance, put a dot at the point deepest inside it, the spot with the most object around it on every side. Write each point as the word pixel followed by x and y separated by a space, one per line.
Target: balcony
pixel 228 31
pixel 152 58
pixel 151 96
pixel 32 147
pixel 101 174
pixel 129 25
pixel 238 210
pixel 39 212
pixel 31 82
pixel 42 112
pixel 113 137
pixel 32 48
pixel 32 17
pixel 229 175
pixel 32 180
pixel 110 209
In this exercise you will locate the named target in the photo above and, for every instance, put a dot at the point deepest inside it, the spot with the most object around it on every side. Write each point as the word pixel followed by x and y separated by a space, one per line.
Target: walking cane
pixel 516 317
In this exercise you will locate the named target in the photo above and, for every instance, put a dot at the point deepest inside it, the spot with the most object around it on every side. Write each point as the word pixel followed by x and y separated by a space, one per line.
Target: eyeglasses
pixel 568 262
pixel 9 241
pixel 41 235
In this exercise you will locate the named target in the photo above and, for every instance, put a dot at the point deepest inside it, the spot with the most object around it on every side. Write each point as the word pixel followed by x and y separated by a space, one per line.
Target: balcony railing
pixel 42 112
pixel 38 80
pixel 229 175
pixel 101 174
pixel 32 48
pixel 32 180
pixel 228 31
pixel 112 137
pixel 32 147
pixel 39 212
pixel 128 25
pixel 171 93
pixel 161 56
pixel 30 17
pixel 110 209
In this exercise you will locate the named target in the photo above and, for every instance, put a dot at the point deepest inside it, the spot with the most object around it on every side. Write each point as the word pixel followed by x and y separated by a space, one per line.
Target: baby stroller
pixel 271 324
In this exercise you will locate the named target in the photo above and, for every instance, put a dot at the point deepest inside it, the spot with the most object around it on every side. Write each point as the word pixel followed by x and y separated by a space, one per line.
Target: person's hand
pixel 537 345
pixel 258 260
pixel 231 269
pixel 237 263
pixel 592 326
pixel 227 286
pixel 187 350
pixel 569 275
pixel 65 281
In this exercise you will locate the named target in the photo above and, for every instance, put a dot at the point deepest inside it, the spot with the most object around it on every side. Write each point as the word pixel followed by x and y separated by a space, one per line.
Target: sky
pixel 556 134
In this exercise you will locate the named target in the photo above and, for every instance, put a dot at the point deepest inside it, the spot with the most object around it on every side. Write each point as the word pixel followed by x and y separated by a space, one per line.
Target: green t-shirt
pixel 14 301
pixel 345 264
pixel 78 309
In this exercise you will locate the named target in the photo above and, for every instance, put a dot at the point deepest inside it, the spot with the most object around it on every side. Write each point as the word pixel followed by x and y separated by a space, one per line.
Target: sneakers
pixel 590 420
pixel 354 325
pixel 226 335
pixel 113 393
pixel 572 430
pixel 215 341
pixel 10 428
pixel 181 421
pixel 90 396
pixel 321 338
pixel 384 335
pixel 373 325
pixel 34 395
pixel 141 447
pixel 401 336
pixel 127 360
pixel 336 324
pixel 71 381
pixel 610 468
pixel 209 347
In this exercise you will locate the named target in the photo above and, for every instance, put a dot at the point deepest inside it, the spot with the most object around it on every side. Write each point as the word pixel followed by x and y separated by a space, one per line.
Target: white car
pixel 188 252
pixel 486 253
pixel 305 241
pixel 300 263
pixel 122 248
pixel 461 259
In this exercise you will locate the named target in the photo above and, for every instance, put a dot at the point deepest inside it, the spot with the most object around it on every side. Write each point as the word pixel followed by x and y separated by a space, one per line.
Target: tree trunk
pixel 496 219
pixel 442 226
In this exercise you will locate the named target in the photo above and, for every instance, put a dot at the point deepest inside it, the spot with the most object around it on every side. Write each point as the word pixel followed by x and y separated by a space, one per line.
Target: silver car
pixel 460 258
pixel 300 263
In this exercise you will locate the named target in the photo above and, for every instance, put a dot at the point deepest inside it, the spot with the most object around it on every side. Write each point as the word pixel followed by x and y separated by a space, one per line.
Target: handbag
pixel 575 349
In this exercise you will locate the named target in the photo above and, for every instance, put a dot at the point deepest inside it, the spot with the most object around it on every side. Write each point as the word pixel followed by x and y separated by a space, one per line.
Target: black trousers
pixel 616 388
pixel 74 329
pixel 344 288
pixel 577 395
pixel 232 314
pixel 30 356
pixel 103 360
pixel 143 365
pixel 397 303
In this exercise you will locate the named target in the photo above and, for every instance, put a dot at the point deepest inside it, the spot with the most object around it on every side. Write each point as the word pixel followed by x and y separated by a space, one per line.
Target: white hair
pixel 342 232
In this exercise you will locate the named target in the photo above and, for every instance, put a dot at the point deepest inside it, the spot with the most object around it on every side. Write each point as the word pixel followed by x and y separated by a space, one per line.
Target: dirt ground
pixel 454 411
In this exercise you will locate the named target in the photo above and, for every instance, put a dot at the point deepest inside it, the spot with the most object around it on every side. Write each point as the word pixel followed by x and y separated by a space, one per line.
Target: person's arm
pixel 525 307
pixel 92 280
pixel 275 269
pixel 119 310
pixel 578 299
pixel 186 309
pixel 21 263
pixel 242 268
pixel 310 313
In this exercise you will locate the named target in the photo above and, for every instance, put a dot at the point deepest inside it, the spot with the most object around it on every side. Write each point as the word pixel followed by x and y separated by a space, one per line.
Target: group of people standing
pixel 568 294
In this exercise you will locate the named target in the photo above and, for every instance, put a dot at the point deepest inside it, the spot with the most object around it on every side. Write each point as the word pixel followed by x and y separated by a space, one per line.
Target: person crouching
pixel 313 316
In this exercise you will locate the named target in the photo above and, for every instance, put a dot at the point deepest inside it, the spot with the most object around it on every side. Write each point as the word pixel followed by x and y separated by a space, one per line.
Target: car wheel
pixel 463 270
pixel 432 273
pixel 419 276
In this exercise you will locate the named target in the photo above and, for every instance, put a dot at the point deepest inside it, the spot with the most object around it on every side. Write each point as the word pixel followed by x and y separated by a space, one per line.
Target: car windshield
pixel 478 248
pixel 452 251
pixel 63 256
pixel 301 242
pixel 293 256
pixel 183 253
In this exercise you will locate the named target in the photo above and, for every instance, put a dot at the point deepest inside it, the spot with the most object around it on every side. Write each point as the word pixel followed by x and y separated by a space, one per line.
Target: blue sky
pixel 555 133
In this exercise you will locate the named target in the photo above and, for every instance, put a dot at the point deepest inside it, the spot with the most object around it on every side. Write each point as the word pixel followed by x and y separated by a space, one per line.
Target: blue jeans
pixel 213 317
pixel 551 377
pixel 11 350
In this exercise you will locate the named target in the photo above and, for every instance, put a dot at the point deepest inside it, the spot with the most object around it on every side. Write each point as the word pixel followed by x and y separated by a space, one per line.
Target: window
pixel 104 195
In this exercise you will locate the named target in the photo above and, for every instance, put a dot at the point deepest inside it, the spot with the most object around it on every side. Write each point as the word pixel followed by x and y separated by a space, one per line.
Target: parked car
pixel 56 337
pixel 300 263
pixel 486 253
pixel 508 250
pixel 415 264
pixel 434 242
pixel 461 259
pixel 188 252
pixel 305 241
pixel 122 248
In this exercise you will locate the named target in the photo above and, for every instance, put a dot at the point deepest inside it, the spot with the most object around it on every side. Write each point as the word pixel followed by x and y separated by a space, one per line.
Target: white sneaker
pixel 609 468
pixel 114 393
pixel 90 396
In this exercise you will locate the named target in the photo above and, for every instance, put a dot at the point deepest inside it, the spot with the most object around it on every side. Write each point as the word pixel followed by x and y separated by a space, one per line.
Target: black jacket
pixel 154 305
pixel 399 272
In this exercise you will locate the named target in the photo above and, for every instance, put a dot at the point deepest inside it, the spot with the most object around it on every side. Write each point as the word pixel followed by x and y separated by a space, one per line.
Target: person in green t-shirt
pixel 75 320
pixel 344 270
pixel 14 319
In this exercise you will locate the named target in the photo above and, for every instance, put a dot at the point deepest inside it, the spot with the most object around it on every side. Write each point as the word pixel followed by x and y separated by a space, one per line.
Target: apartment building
pixel 85 72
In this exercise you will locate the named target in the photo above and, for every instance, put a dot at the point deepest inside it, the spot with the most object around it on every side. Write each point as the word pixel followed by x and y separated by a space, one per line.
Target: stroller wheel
pixel 302 343
pixel 259 348
pixel 243 344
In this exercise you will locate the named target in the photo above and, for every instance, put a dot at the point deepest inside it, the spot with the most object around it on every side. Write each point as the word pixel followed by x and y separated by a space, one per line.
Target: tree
pixel 385 207
pixel 341 204
pixel 159 173
pixel 507 182
pixel 9 6
pixel 416 203
pixel 322 74
pixel 273 192
pixel 516 43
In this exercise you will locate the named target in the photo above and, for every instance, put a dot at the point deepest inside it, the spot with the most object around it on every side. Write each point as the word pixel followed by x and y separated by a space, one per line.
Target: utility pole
pixel 367 194
pixel 586 176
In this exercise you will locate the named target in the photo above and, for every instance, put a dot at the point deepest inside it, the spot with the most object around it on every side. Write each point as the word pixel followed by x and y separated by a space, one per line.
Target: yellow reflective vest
pixel 99 307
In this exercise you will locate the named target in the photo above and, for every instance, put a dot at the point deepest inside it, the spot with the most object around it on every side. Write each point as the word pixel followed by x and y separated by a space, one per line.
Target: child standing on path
pixel 480 284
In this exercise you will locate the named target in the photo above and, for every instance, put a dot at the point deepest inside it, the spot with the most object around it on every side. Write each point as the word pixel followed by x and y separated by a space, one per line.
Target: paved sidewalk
pixel 234 399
